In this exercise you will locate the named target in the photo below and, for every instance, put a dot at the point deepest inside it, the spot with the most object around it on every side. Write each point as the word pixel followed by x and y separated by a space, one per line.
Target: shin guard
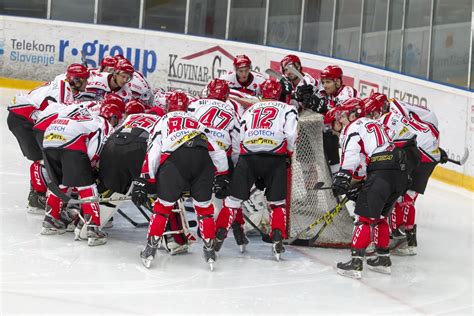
pixel 382 234
pixel 92 209
pixel 159 219
pixel 205 215
pixel 361 236
pixel 54 204
pixel 278 219
pixel 37 178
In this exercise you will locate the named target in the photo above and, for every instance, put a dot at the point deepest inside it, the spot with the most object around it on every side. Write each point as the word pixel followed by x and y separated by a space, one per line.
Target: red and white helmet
pixel 119 57
pixel 371 105
pixel 108 61
pixel 331 72
pixel 124 66
pixel 134 107
pixel 114 98
pixel 380 97
pixel 218 89
pixel 330 116
pixel 271 89
pixel 349 106
pixel 155 110
pixel 177 101
pixel 290 59
pixel 111 113
pixel 76 71
pixel 241 61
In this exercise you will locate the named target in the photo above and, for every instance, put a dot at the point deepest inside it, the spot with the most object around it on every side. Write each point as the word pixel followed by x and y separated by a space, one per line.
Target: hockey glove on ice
pixel 221 186
pixel 444 156
pixel 342 182
pixel 140 191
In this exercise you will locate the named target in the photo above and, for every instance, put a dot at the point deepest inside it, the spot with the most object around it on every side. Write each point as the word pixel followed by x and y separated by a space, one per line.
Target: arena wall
pixel 33 50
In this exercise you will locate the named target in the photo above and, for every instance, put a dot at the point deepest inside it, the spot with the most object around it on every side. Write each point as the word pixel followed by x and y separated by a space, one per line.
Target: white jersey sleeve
pixel 269 127
pixel 413 112
pixel 141 88
pixel 251 86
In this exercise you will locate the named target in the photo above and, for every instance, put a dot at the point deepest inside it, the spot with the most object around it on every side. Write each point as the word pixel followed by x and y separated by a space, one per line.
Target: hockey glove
pixel 353 192
pixel 140 191
pixel 318 104
pixel 303 94
pixel 444 156
pixel 286 90
pixel 342 182
pixel 221 186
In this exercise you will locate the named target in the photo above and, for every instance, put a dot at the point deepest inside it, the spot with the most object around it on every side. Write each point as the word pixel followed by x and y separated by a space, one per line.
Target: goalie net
pixel 306 204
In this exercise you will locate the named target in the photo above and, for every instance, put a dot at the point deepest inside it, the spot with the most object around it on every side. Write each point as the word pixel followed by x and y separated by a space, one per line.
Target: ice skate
pixel 209 252
pixel 52 226
pixel 352 268
pixel 411 241
pixel 69 216
pixel 95 236
pixel 381 263
pixel 240 237
pixel 221 234
pixel 277 247
pixel 77 230
pixel 398 240
pixel 148 253
pixel 36 202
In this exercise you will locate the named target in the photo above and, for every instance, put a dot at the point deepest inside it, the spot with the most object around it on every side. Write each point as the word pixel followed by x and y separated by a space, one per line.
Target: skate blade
pixel 380 269
pixel 277 256
pixel 242 248
pixel 350 273
pixel 147 262
pixel 211 263
pixel 96 241
pixel 50 231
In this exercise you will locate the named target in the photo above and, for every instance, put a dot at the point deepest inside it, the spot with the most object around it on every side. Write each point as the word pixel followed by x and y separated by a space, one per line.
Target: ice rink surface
pixel 56 275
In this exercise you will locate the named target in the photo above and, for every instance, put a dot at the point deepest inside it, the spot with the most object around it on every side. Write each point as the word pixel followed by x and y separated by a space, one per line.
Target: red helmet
pixel 155 110
pixel 76 71
pixel 177 101
pixel 125 66
pixel 380 97
pixel 241 61
pixel 218 89
pixel 330 116
pixel 114 98
pixel 134 107
pixel 331 72
pixel 351 105
pixel 372 105
pixel 108 61
pixel 110 111
pixel 271 89
pixel 120 57
pixel 290 59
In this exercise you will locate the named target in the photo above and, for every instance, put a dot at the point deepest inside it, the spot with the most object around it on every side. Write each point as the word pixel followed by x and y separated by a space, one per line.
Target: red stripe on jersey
pixel 45 122
pixel 78 144
pixel 23 111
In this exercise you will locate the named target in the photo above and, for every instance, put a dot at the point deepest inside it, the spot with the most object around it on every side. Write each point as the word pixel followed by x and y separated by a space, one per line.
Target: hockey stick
pixel 83 59
pixel 265 237
pixel 463 159
pixel 295 71
pixel 274 73
pixel 326 218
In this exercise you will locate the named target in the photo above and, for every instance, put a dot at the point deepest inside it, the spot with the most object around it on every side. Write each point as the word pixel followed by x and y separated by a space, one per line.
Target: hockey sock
pixel 239 217
pixel 54 204
pixel 361 235
pixel 205 217
pixel 36 177
pixel 225 218
pixel 159 219
pixel 396 218
pixel 92 209
pixel 382 234
pixel 409 211
pixel 278 219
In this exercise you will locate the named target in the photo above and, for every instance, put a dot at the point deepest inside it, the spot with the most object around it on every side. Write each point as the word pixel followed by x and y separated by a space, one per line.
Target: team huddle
pixel 93 132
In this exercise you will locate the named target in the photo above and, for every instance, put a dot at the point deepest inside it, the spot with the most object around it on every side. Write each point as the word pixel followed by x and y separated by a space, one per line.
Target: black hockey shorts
pixel 271 168
pixel 23 131
pixel 420 177
pixel 379 192
pixel 187 169
pixel 331 147
pixel 121 161
pixel 68 167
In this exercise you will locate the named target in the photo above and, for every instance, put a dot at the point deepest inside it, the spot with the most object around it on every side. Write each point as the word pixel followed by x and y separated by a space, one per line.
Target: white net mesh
pixel 307 204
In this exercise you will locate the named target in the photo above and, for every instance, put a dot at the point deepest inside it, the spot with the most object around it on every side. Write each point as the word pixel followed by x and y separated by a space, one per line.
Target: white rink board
pixel 174 60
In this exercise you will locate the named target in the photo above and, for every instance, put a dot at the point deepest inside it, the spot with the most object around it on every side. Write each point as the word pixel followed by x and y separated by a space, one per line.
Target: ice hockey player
pixel 243 79
pixel 403 124
pixel 24 112
pixel 103 83
pixel 71 152
pixel 181 156
pixel 268 136
pixel 222 121
pixel 296 91
pixel 368 155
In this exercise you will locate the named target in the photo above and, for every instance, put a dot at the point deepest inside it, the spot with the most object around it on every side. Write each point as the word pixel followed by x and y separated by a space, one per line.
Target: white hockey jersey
pixel 359 141
pixel 160 96
pixel 142 121
pixel 251 86
pixel 269 127
pixel 342 94
pixel 170 133
pixel 141 88
pixel 401 129
pixel 59 110
pixel 29 105
pixel 413 112
pixel 222 122
pixel 98 86
pixel 85 134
